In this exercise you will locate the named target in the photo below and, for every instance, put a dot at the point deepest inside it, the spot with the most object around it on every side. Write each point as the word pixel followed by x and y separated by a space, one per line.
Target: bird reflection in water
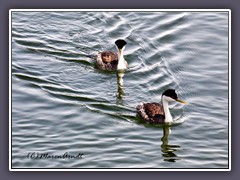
pixel 120 74
pixel 168 151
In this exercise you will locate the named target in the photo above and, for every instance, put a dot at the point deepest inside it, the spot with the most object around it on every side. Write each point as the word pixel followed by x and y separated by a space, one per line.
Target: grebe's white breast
pixel 122 63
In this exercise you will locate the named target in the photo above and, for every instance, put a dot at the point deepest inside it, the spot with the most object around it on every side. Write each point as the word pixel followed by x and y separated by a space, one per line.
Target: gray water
pixel 61 103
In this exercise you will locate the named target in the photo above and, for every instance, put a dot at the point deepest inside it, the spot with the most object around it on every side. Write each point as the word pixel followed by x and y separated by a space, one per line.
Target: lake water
pixel 62 103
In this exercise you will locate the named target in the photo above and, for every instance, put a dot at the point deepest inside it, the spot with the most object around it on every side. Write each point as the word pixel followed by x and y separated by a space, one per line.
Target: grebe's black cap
pixel 170 93
pixel 120 43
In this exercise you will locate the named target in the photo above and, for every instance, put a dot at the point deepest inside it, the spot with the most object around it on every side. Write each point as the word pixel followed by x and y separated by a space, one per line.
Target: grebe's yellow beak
pixel 181 101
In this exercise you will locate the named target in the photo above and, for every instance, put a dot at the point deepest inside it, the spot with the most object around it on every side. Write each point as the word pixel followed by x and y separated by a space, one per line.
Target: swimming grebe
pixel 156 112
pixel 112 61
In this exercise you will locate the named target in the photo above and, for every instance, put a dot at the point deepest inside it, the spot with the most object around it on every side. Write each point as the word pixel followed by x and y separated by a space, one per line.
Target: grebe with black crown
pixel 156 112
pixel 112 61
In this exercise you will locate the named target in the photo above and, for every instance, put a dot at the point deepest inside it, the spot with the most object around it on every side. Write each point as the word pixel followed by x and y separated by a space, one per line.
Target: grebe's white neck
pixel 168 116
pixel 122 64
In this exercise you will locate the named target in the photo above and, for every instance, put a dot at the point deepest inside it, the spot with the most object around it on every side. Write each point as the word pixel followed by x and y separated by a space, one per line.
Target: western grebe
pixel 112 61
pixel 156 112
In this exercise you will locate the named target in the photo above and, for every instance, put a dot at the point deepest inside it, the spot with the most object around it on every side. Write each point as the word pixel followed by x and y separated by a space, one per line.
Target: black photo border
pixel 170 4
